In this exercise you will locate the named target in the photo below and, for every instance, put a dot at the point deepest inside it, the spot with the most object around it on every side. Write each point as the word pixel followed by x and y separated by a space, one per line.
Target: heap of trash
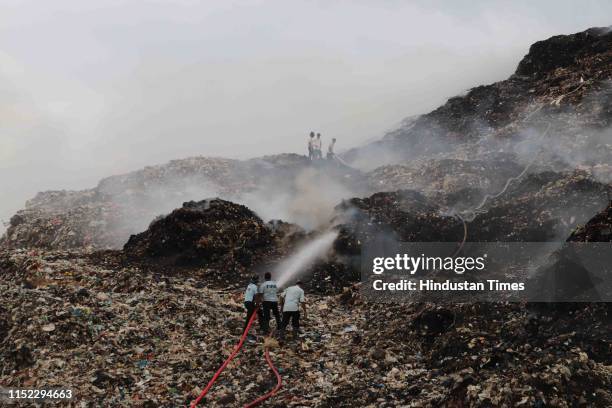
pixel 65 220
pixel 203 232
pixel 446 175
pixel 124 337
pixel 539 207
pixel 120 206
pixel 130 293
pixel 568 88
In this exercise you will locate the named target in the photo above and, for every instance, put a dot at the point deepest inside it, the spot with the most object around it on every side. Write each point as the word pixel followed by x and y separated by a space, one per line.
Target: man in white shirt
pixel 318 145
pixel 293 296
pixel 330 150
pixel 269 290
pixel 311 149
pixel 251 302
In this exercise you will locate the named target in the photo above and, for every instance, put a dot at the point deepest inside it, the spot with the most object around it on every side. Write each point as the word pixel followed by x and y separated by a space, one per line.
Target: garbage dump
pixel 130 293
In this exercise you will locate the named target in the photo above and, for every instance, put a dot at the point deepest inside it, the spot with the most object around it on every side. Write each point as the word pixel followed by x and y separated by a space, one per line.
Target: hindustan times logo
pixel 412 264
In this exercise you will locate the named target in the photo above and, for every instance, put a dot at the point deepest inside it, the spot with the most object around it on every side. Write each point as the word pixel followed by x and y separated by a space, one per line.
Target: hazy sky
pixel 94 88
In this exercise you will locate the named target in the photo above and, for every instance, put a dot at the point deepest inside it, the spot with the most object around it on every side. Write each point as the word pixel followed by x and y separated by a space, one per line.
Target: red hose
pixel 226 362
pixel 274 391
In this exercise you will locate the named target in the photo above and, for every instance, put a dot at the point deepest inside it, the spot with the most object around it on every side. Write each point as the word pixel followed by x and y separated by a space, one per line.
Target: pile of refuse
pixel 542 207
pixel 222 242
pixel 64 220
pixel 119 206
pixel 124 337
pixel 539 207
pixel 203 232
pixel 444 178
pixel 563 80
pixel 405 215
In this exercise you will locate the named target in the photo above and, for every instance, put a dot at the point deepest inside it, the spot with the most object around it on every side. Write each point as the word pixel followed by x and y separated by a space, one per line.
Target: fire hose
pixel 278 386
pixel 231 357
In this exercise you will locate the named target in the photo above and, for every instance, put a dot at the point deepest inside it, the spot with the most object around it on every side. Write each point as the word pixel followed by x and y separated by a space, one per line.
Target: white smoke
pixel 307 199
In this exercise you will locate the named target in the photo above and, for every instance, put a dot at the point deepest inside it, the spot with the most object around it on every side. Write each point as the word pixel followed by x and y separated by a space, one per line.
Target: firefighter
pixel 251 303
pixel 330 150
pixel 292 298
pixel 311 151
pixel 317 147
pixel 269 292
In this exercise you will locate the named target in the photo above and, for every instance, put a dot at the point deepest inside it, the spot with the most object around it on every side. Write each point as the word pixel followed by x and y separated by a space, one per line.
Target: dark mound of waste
pixel 541 207
pixel 598 229
pixel 385 219
pixel 203 232
pixel 404 215
pixel 563 51
pixel 565 77
pixel 538 208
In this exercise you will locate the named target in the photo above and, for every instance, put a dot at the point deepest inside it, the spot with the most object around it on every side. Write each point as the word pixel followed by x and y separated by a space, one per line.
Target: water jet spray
pixel 291 268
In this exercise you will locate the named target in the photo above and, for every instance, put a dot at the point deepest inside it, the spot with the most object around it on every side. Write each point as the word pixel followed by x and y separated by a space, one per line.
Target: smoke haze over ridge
pixel 100 88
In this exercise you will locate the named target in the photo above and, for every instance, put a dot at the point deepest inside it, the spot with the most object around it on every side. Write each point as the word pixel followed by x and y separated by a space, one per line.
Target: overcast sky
pixel 94 88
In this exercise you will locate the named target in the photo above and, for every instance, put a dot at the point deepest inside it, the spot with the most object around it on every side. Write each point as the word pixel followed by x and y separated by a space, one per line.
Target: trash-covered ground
pixel 124 333
pixel 129 338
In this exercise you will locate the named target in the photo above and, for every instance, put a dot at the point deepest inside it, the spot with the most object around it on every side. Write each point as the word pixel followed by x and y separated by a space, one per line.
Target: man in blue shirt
pixel 251 303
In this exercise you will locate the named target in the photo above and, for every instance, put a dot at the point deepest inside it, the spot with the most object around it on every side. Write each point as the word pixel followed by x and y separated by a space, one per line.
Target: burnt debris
pixel 203 232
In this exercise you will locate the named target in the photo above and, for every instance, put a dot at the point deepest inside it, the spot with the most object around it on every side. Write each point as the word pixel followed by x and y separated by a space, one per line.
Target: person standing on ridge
pixel 251 303
pixel 292 297
pixel 269 290
pixel 318 146
pixel 311 142
pixel 330 150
